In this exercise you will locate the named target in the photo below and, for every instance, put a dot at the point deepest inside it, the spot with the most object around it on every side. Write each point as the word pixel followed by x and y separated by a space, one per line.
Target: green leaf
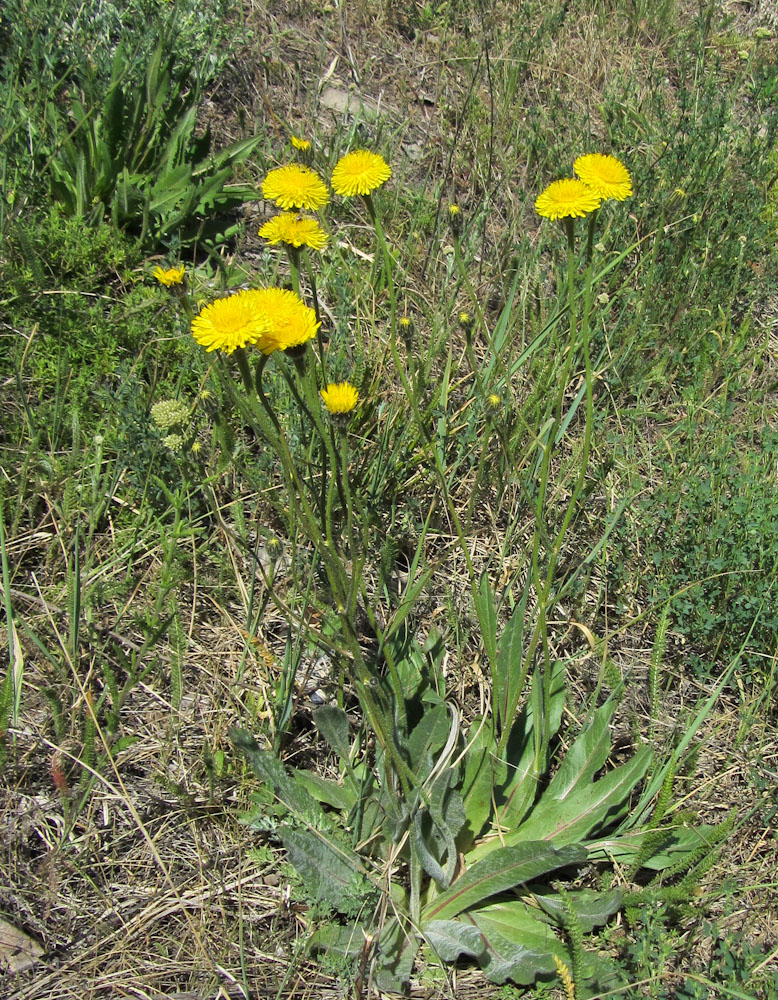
pixel 673 847
pixel 487 618
pixel 499 871
pixel 515 797
pixel 586 809
pixel 510 668
pixel 333 725
pixel 428 737
pixel 286 787
pixel 451 938
pixel 585 757
pixel 325 790
pixel 592 908
pixel 330 871
pixel 344 941
pixel 517 945
pixel 483 772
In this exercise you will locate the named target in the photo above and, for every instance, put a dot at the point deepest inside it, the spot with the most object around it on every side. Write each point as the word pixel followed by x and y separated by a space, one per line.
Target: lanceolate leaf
pixel 451 938
pixel 330 872
pixel 483 773
pixel 592 908
pixel 428 737
pixel 672 847
pixel 487 618
pixel 510 668
pixel 585 757
pixel 517 945
pixel 516 796
pixel 326 790
pixel 501 870
pixel 288 789
pixel 586 809
pixel 332 723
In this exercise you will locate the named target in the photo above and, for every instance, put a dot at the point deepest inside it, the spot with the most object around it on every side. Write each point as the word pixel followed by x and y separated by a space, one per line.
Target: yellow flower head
pixel 605 175
pixel 295 231
pixel 340 398
pixel 359 172
pixel 229 323
pixel 302 144
pixel 288 322
pixel 295 186
pixel 567 198
pixel 169 276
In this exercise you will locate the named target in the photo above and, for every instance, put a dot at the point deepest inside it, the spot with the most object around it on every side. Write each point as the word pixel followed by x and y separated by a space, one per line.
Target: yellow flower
pixel 295 186
pixel 605 175
pixel 359 172
pixel 567 198
pixel 229 323
pixel 294 230
pixel 302 144
pixel 170 276
pixel 288 322
pixel 340 398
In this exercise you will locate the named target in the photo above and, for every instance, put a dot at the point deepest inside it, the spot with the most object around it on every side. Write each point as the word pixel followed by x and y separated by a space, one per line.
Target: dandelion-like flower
pixel 340 397
pixel 169 276
pixel 465 321
pixel 359 172
pixel 605 175
pixel 302 144
pixel 455 219
pixel 568 198
pixel 294 230
pixel 229 323
pixel 288 322
pixel 295 186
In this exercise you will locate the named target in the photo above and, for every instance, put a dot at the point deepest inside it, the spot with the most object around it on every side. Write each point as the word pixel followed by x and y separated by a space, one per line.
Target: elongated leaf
pixel 325 790
pixel 518 946
pixel 515 797
pixel 330 871
pixel 332 723
pixel 288 789
pixel 503 869
pixel 483 772
pixel 451 938
pixel 591 908
pixel 510 669
pixel 585 757
pixel 345 941
pixel 427 738
pixel 587 809
pixel 487 618
pixel 674 846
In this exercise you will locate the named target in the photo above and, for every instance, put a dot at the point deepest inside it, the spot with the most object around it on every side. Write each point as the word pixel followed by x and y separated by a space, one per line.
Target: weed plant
pixel 410 514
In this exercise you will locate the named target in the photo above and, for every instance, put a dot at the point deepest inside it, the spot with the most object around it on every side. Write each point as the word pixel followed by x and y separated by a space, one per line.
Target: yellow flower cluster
pixel 272 319
pixel 298 187
pixel 599 177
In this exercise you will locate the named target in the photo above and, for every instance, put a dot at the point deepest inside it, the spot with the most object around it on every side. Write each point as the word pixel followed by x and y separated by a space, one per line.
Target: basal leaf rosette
pixel 605 175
